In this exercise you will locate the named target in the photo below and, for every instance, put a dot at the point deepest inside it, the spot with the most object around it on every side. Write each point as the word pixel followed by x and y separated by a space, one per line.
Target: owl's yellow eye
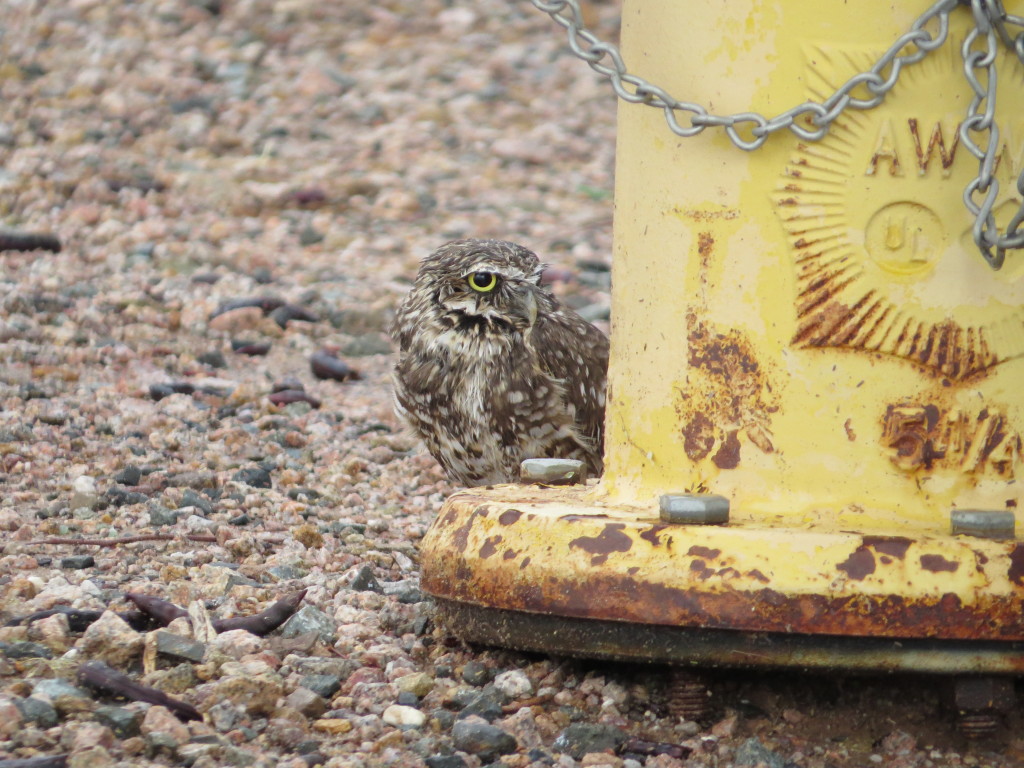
pixel 483 281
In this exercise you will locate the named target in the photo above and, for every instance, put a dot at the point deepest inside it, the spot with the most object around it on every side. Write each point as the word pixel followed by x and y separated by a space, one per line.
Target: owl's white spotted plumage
pixel 492 369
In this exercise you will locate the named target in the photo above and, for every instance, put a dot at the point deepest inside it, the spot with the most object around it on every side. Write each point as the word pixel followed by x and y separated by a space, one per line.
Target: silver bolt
pixel 983 523
pixel 694 509
pixel 553 471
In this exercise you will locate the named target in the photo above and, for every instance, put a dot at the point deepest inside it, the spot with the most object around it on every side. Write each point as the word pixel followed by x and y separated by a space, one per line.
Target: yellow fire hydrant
pixel 815 409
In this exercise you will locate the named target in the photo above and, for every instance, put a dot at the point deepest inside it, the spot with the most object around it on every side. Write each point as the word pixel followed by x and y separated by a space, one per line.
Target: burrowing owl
pixel 492 369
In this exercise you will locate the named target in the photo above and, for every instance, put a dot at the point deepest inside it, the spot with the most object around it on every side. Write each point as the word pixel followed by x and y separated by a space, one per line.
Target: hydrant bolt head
pixel 694 509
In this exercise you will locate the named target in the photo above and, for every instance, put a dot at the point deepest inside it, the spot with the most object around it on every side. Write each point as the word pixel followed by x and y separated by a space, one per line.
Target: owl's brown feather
pixel 489 378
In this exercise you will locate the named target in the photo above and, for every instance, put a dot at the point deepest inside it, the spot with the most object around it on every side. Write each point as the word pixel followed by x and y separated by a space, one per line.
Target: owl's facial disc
pixel 489 292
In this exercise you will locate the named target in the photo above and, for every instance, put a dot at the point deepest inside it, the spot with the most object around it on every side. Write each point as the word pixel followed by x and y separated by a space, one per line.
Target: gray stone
pixel 225 716
pixel 65 696
pixel 752 752
pixel 309 236
pixel 365 581
pixel 122 721
pixel 322 685
pixel 313 665
pixel 310 619
pixel 308 702
pixel 285 572
pixel 38 711
pixel 215 359
pixel 445 719
pixel 257 477
pixel 159 741
pixel 77 562
pixel 25 650
pixel 486 703
pixel 238 757
pixel 192 499
pixel 482 739
pixel 178 647
pixel 407 591
pixel 445 761
pixel 477 673
pixel 161 515
pixel 130 475
pixel 580 739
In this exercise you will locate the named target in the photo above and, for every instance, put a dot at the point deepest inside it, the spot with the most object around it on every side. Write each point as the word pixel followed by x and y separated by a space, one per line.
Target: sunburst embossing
pixel 879 237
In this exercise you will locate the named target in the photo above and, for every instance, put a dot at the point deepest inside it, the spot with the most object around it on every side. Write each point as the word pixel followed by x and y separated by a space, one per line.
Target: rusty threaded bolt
pixel 981 702
pixel 688 696
pixel 977 725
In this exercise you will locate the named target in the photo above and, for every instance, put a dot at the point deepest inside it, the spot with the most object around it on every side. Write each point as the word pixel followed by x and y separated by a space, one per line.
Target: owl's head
pixel 490 282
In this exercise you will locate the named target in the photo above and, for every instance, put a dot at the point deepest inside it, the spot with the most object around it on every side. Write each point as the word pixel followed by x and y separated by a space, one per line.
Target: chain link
pixel 811 120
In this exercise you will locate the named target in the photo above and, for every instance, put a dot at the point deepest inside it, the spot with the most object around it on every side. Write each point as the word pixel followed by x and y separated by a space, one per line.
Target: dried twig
pixel 99 675
pixel 118 541
pixel 650 748
pixel 259 624
pixel 265 621
pixel 79 620
pixel 533 701
pixel 162 611
pixel 17 240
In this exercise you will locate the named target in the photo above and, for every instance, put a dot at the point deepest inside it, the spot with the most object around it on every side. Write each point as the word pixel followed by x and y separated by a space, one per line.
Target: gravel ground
pixel 243 189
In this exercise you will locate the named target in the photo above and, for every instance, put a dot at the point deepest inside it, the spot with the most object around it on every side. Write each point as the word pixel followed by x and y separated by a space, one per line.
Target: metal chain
pixel 812 120
pixel 981 120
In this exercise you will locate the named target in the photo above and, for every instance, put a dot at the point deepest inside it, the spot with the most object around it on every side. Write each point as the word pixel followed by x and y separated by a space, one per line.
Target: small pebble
pixel 77 562
pixel 326 366
pixel 477 673
pixel 129 475
pixel 364 581
pixel 403 717
pixel 257 477
pixel 480 738
pixel 514 684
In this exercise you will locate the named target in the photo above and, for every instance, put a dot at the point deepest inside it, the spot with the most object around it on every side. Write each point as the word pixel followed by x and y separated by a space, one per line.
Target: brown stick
pixel 79 620
pixel 265 621
pixel 259 624
pixel 99 675
pixel 162 611
pixel 16 240
pixel 117 541
pixel 650 748
pixel 533 701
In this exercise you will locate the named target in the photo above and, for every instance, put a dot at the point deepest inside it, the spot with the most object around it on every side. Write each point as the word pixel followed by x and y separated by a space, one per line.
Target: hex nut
pixel 694 509
pixel 553 471
pixel 983 523
pixel 984 693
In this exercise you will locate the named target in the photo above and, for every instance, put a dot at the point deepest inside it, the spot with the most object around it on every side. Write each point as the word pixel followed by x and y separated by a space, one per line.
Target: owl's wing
pixel 571 349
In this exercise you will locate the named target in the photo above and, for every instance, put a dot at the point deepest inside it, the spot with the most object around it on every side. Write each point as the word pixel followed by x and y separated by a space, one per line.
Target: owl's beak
pixel 526 307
